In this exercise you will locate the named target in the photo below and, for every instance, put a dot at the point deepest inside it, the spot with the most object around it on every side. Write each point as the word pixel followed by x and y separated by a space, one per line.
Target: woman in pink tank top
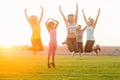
pixel 51 25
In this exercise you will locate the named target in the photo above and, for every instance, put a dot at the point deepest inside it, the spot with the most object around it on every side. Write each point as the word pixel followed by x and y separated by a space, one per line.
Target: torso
pixel 79 35
pixel 35 31
pixel 71 30
pixel 90 33
pixel 53 39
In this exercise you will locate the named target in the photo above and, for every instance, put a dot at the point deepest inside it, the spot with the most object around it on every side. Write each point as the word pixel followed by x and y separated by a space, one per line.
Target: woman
pixel 51 27
pixel 35 26
pixel 71 30
pixel 79 37
pixel 91 25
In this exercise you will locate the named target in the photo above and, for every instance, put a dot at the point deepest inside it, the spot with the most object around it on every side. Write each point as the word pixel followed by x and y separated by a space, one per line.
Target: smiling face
pixel 79 27
pixel 91 21
pixel 71 18
pixel 33 18
pixel 51 25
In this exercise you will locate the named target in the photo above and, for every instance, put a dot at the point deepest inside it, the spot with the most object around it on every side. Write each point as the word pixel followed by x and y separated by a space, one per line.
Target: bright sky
pixel 15 30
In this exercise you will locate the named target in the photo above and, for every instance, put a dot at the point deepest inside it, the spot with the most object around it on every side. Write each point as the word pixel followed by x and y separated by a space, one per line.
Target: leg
pixel 89 46
pixel 78 43
pixel 40 45
pixel 96 48
pixel 49 53
pixel 70 45
pixel 53 56
pixel 34 45
pixel 75 45
pixel 81 47
pixel 64 43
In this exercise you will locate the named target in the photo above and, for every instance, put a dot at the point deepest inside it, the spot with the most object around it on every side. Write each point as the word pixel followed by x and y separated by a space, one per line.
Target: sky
pixel 15 30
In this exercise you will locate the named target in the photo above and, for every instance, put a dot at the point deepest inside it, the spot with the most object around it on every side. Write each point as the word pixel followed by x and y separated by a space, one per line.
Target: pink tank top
pixel 53 39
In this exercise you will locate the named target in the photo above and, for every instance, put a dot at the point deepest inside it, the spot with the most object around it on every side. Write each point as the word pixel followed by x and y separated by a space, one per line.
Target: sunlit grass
pixel 67 68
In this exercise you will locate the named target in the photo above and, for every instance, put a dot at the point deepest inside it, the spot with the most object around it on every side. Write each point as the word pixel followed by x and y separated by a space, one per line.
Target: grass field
pixel 67 68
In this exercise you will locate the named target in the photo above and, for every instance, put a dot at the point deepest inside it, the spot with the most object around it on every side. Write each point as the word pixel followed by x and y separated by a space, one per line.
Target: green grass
pixel 67 68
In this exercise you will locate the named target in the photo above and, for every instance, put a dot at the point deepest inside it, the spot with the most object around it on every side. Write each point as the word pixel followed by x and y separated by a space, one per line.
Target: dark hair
pixel 70 15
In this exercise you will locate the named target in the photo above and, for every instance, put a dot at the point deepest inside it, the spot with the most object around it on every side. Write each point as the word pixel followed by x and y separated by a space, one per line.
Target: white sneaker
pixel 72 54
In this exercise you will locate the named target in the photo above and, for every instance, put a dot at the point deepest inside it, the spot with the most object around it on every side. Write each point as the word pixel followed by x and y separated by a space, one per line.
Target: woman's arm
pixel 85 17
pixel 84 28
pixel 76 14
pixel 65 20
pixel 47 24
pixel 96 18
pixel 40 19
pixel 56 25
pixel 25 11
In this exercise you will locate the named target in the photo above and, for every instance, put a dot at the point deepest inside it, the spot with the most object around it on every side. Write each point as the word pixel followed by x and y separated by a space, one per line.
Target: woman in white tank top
pixel 71 29
pixel 91 24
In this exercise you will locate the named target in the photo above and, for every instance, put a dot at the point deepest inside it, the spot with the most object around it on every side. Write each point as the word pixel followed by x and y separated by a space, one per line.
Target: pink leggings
pixel 52 49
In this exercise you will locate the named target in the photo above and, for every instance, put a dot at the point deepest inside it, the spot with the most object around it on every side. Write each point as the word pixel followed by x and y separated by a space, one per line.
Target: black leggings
pixel 80 46
pixel 89 45
pixel 72 45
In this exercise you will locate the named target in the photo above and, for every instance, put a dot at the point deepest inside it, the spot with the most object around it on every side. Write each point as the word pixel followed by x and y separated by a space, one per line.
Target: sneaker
pixel 48 65
pixel 53 64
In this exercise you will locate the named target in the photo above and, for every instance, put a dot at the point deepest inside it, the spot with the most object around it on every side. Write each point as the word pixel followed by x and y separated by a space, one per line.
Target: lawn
pixel 67 68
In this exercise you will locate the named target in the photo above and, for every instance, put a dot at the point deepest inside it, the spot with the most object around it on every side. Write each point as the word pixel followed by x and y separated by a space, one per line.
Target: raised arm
pixel 76 14
pixel 56 25
pixel 84 28
pixel 85 17
pixel 40 19
pixel 25 11
pixel 47 24
pixel 65 20
pixel 96 18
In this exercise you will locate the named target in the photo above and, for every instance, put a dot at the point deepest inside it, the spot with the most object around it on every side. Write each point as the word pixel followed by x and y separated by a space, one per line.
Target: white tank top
pixel 71 28
pixel 90 33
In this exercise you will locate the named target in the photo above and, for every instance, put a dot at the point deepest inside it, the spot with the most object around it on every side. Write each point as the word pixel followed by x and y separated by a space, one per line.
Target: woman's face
pixel 91 21
pixel 33 18
pixel 71 18
pixel 51 25
pixel 79 27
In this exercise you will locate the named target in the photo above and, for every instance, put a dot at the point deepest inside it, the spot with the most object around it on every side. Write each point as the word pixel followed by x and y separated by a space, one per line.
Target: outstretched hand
pixel 76 3
pixel 59 7
pixel 25 10
pixel 48 19
pixel 52 19
pixel 83 10
pixel 42 8
pixel 99 10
